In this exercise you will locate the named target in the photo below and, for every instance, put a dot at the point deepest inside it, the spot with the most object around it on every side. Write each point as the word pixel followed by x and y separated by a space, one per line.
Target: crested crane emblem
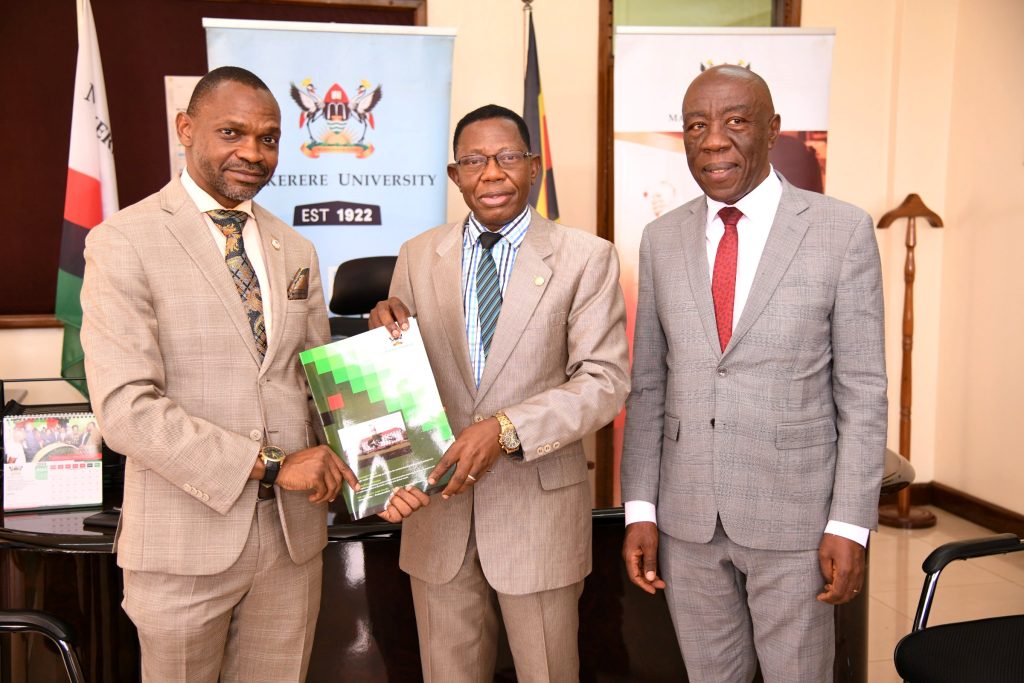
pixel 333 122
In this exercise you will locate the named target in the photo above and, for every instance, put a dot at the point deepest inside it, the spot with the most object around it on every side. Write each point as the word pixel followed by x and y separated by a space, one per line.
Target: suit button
pixel 478 418
pixel 722 372
pixel 206 496
pixel 712 423
pixel 255 435
pixel 547 448
pixel 556 445
pixel 540 450
pixel 187 488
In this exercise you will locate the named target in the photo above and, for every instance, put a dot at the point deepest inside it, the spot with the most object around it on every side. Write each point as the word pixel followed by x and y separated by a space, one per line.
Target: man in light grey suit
pixel 755 431
pixel 521 388
pixel 196 302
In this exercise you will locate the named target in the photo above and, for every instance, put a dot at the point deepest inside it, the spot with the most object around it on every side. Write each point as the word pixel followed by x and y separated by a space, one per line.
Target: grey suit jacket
pixel 177 386
pixel 558 367
pixel 784 430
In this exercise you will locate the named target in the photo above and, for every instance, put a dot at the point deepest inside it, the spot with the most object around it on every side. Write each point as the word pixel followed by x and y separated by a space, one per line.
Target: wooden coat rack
pixel 903 515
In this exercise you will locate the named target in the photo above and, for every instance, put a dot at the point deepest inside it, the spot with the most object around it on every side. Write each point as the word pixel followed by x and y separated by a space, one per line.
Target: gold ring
pixel 471 477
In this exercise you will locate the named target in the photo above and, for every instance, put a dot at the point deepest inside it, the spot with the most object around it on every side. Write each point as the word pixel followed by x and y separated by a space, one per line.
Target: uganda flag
pixel 91 193
pixel 542 194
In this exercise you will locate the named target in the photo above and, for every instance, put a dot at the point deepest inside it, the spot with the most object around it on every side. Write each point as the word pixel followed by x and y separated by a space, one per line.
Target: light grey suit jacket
pixel 178 388
pixel 786 429
pixel 558 367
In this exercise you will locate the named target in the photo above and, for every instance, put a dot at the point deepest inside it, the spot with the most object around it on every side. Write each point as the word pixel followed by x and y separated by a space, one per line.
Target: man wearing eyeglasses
pixel 524 324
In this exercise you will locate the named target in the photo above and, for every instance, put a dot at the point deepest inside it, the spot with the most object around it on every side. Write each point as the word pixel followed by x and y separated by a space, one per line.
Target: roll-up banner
pixel 364 119
pixel 653 68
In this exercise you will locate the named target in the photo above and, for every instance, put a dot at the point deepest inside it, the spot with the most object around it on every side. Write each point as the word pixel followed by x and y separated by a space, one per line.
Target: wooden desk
pixel 366 631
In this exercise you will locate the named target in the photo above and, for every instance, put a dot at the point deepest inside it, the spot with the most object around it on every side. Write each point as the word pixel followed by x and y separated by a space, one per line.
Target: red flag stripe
pixel 83 200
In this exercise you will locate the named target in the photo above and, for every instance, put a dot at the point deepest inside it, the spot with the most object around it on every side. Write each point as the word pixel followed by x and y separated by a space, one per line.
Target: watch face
pixel 272 454
pixel 509 441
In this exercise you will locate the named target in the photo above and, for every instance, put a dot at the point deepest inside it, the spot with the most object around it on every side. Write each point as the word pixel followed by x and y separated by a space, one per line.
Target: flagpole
pixel 527 13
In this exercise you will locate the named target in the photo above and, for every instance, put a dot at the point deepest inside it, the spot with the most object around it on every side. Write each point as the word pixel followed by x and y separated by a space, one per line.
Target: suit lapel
pixel 273 257
pixel 187 226
pixel 520 299
pixel 695 250
pixel 787 233
pixel 446 275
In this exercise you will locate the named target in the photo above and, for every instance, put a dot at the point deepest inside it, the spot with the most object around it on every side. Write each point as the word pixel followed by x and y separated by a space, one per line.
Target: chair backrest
pixel 50 626
pixel 358 285
pixel 981 650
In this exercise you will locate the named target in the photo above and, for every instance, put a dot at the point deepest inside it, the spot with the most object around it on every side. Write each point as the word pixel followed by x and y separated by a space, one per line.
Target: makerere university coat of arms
pixel 334 121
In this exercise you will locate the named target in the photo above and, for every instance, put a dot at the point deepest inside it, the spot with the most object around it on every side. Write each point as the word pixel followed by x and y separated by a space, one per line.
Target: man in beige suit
pixel 524 324
pixel 194 316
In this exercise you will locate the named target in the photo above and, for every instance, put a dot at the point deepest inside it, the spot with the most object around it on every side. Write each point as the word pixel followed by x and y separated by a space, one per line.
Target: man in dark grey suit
pixel 756 425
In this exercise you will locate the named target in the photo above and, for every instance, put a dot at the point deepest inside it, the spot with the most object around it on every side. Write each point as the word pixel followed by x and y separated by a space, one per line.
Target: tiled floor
pixel 967 590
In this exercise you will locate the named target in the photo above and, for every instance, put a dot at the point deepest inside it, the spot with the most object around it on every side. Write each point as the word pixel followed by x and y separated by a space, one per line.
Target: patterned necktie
pixel 488 291
pixel 248 285
pixel 723 282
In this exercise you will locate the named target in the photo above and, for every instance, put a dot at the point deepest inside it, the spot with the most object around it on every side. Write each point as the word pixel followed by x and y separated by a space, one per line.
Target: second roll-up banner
pixel 364 118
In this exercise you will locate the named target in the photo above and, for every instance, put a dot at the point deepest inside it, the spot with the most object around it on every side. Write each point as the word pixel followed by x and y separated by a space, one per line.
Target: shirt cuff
pixel 850 531
pixel 640 511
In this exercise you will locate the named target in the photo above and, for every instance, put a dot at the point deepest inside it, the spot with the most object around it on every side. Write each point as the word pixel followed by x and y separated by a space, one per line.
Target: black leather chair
pixel 358 285
pixel 30 621
pixel 990 650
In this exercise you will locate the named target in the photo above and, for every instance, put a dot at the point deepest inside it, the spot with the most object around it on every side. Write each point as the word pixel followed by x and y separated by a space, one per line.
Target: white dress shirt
pixel 758 207
pixel 250 238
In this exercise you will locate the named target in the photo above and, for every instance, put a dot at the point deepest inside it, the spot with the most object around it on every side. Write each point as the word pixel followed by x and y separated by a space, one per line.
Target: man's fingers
pixel 459 481
pixel 447 460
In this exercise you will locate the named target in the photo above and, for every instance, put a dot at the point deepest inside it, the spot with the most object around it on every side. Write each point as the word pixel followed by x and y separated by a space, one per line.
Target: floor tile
pixel 885 628
pixel 883 672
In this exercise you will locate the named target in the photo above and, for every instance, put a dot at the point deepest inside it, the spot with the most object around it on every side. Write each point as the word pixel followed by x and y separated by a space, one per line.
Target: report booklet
pixel 381 412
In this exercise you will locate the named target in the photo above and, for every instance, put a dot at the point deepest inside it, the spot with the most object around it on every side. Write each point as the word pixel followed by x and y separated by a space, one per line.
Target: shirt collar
pixel 759 205
pixel 514 231
pixel 204 202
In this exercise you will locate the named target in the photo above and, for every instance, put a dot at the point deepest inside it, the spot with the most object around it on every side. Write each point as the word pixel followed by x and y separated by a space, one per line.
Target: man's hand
pixel 842 566
pixel 474 453
pixel 404 502
pixel 315 469
pixel 392 314
pixel 640 553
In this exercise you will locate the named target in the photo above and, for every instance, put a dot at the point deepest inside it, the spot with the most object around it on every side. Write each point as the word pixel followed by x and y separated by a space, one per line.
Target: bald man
pixel 756 426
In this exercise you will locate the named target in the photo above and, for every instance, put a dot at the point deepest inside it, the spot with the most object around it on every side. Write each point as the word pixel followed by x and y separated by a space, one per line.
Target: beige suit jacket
pixel 178 388
pixel 558 366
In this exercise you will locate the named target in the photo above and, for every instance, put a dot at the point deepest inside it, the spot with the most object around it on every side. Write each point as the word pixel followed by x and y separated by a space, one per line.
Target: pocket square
pixel 299 288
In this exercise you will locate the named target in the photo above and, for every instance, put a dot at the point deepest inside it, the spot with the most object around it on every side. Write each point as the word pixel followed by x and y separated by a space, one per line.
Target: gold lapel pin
pixel 276 244
pixel 538 280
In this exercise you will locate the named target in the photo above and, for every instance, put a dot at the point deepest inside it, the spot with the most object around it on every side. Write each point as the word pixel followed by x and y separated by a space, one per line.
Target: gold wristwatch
pixel 508 439
pixel 273 458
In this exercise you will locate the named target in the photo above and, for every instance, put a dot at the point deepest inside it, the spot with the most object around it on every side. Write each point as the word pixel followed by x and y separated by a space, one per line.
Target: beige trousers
pixel 457 624
pixel 253 623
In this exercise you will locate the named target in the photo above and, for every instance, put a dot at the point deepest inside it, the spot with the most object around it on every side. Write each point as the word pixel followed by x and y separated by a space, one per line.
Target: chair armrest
pixel 977 547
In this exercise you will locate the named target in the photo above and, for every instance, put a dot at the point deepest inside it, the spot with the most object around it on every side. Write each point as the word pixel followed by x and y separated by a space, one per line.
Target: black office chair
pixel 990 650
pixel 358 285
pixel 30 621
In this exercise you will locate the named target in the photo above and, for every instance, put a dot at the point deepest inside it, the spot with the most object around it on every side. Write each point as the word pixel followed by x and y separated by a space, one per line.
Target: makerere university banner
pixel 364 119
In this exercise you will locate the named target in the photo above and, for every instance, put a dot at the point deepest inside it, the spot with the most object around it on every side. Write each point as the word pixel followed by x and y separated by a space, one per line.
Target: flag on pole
pixel 91 193
pixel 542 194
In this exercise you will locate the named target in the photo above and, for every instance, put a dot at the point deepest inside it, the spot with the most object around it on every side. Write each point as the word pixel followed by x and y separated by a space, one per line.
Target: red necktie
pixel 723 282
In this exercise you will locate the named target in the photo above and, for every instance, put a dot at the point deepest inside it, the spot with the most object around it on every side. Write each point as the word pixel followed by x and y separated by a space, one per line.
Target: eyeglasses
pixel 506 160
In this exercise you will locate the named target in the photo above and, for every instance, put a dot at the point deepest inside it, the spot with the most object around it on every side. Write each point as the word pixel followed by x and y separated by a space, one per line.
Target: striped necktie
pixel 488 291
pixel 246 282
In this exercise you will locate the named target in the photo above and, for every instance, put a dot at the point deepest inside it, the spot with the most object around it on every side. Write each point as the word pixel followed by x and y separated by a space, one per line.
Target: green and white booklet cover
pixel 379 405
